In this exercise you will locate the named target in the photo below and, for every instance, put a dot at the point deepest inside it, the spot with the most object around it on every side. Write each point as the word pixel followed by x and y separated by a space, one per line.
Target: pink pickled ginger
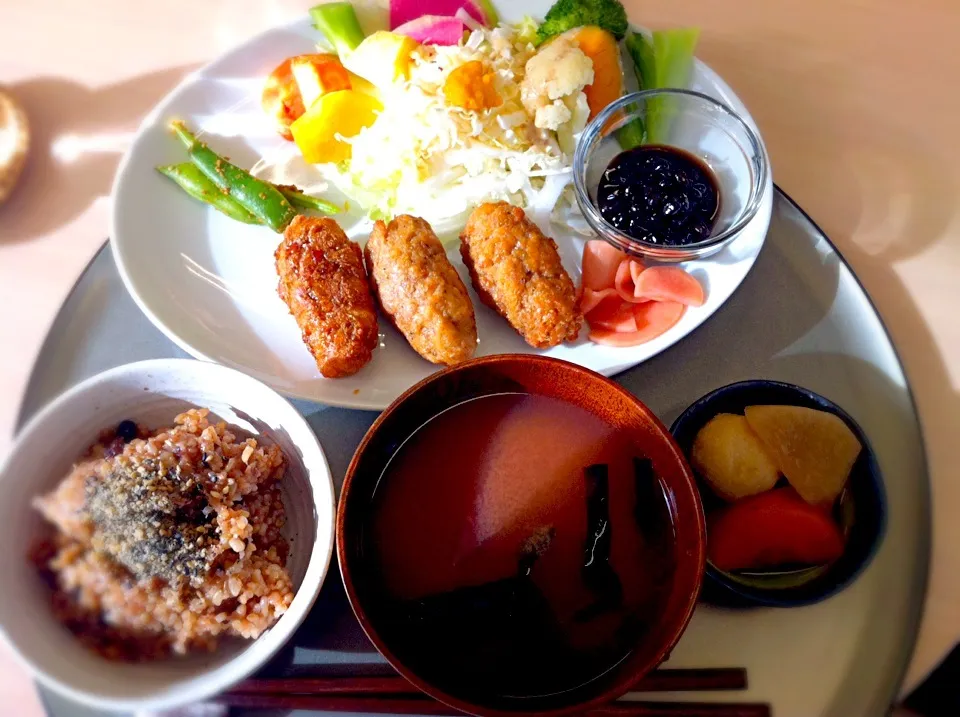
pixel 626 303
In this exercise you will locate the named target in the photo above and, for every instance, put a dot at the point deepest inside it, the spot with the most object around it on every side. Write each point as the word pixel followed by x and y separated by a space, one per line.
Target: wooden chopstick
pixel 700 679
pixel 338 703
pixel 665 680
pixel 682 709
pixel 393 694
pixel 425 706
pixel 346 685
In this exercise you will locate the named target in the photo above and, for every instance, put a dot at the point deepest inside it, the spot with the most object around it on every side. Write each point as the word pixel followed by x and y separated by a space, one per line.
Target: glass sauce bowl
pixel 700 125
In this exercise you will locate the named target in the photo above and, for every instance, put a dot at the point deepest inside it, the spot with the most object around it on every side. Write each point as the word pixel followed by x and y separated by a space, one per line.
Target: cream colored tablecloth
pixel 856 99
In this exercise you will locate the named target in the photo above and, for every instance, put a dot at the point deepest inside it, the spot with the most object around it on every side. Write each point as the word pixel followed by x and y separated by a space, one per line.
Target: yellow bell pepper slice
pixel 361 85
pixel 342 114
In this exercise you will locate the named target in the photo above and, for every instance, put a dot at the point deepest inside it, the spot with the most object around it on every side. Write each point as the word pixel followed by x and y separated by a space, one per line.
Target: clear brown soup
pixel 521 546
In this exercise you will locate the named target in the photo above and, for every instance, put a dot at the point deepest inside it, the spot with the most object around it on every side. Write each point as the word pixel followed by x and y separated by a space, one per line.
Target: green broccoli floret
pixel 568 14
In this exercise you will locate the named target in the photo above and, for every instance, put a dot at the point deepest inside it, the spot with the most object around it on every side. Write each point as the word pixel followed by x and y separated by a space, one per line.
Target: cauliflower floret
pixel 551 116
pixel 558 71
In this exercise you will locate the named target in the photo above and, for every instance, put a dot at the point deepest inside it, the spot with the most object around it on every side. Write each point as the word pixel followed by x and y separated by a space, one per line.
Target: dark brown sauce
pixel 659 194
pixel 511 553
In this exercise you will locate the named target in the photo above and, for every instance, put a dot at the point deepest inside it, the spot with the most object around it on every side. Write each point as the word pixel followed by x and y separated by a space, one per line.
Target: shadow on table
pixel 78 135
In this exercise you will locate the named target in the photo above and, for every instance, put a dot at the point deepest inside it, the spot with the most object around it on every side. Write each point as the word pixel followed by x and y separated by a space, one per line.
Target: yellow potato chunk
pixel 814 449
pixel 732 459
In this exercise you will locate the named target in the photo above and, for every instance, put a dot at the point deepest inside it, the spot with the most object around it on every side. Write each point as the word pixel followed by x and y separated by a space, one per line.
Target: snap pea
pixel 195 183
pixel 304 201
pixel 260 198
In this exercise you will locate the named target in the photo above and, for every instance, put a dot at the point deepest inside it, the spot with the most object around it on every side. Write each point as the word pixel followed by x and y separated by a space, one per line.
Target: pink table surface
pixel 855 99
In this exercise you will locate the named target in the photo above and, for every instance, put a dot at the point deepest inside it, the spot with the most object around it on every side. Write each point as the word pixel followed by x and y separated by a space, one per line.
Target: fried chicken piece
pixel 323 281
pixel 420 291
pixel 516 270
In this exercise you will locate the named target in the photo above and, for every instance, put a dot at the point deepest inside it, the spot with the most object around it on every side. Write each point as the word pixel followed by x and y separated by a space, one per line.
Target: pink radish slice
pixel 626 280
pixel 653 318
pixel 433 30
pixel 592 298
pixel 600 262
pixel 404 11
pixel 669 283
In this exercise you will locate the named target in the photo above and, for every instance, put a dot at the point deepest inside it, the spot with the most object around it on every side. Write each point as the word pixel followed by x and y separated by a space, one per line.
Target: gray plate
pixel 801 316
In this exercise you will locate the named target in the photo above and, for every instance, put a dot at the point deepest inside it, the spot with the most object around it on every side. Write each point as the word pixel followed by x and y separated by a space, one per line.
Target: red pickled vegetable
pixel 772 529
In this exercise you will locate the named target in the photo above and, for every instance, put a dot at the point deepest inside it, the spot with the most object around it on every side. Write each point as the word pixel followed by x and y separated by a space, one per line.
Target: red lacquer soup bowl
pixel 518 534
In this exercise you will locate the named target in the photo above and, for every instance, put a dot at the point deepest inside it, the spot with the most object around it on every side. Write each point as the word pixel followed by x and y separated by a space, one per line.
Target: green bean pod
pixel 260 198
pixel 195 183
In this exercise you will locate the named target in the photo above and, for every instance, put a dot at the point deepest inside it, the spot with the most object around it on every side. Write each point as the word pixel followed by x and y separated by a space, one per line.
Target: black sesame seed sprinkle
pixel 153 522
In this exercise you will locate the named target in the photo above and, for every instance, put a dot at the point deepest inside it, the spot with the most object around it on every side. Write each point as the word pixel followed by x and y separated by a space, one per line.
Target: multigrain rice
pixel 168 542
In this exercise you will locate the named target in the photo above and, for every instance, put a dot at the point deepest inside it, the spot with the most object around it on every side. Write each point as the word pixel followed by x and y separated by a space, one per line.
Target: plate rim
pixel 360 400
pixel 892 688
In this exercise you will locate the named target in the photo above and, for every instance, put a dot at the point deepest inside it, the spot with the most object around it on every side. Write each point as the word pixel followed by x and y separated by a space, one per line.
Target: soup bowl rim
pixel 685 562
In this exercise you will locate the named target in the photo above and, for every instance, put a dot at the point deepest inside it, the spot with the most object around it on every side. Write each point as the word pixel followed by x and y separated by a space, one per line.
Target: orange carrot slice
pixel 772 529
pixel 281 99
pixel 604 52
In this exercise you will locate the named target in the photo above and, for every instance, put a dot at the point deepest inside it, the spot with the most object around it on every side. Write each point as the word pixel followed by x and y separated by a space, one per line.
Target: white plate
pixel 209 283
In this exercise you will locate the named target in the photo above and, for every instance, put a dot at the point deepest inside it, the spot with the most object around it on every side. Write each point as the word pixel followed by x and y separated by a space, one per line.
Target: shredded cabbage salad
pixel 438 161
